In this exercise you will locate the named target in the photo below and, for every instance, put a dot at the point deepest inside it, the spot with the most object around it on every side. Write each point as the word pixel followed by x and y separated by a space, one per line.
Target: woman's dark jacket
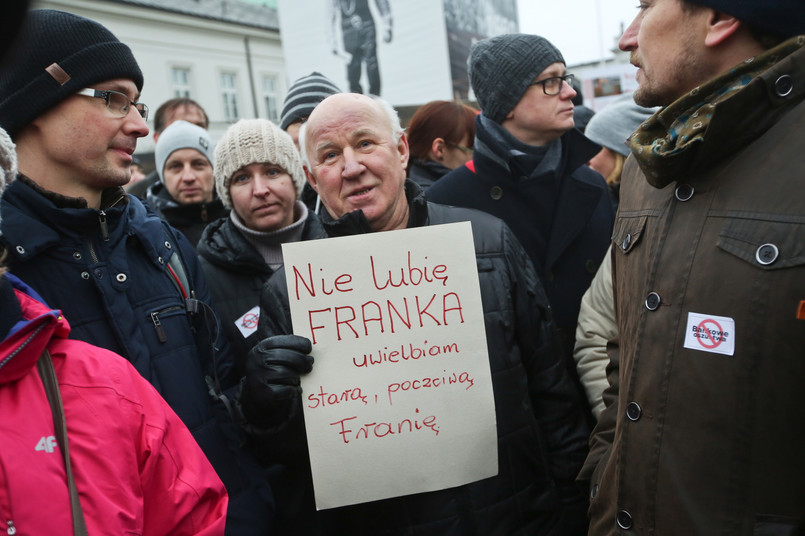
pixel 189 218
pixel 542 432
pixel 236 273
pixel 426 172
pixel 107 270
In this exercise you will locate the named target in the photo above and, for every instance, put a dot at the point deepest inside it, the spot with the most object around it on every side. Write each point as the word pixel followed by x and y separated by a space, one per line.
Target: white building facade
pixel 224 54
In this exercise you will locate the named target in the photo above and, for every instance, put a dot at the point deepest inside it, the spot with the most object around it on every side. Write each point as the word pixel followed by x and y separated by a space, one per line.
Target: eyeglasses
pixel 460 147
pixel 553 86
pixel 116 102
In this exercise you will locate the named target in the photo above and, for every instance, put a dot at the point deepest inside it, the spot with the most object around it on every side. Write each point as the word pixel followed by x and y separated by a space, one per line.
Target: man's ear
pixel 720 27
pixel 402 147
pixel 311 179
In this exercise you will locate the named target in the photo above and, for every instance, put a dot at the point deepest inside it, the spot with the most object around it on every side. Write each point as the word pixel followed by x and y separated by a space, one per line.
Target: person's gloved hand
pixel 271 385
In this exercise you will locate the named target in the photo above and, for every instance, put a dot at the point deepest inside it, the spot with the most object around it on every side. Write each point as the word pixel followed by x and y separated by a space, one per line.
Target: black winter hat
pixel 784 18
pixel 57 55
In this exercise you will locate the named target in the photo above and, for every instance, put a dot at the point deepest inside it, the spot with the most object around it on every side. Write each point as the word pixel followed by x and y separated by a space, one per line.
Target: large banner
pixel 407 51
pixel 400 397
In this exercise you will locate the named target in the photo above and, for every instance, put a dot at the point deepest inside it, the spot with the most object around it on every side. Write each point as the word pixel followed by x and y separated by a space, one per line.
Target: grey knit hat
pixel 254 140
pixel 181 135
pixel 303 96
pixel 612 125
pixel 501 69
pixel 57 55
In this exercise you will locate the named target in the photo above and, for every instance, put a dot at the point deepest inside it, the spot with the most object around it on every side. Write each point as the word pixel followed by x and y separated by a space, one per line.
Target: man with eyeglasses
pixel 127 281
pixel 529 169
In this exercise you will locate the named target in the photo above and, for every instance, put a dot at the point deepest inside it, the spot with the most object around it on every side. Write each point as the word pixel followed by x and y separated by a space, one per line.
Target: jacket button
pixel 683 192
pixel 591 266
pixel 624 520
pixel 634 411
pixel 77 256
pixel 121 278
pixel 84 275
pixel 20 250
pixel 99 273
pixel 496 192
pixel 767 254
pixel 783 86
pixel 653 301
pixel 167 244
pixel 160 260
pixel 627 241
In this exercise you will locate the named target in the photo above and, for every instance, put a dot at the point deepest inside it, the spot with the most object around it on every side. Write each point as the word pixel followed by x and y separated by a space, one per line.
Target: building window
pixel 270 98
pixel 181 82
pixel 230 96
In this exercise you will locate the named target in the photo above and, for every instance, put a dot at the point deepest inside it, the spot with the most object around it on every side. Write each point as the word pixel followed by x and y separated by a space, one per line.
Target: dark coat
pixel 236 273
pixel 542 432
pixel 566 255
pixel 695 442
pixel 107 270
pixel 426 172
pixel 189 218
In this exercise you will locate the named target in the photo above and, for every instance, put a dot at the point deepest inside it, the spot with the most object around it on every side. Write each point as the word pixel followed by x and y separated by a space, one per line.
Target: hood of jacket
pixel 30 333
pixel 222 244
pixel 34 220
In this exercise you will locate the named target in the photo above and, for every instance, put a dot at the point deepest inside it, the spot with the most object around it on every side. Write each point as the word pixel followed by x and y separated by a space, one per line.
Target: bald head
pixel 355 154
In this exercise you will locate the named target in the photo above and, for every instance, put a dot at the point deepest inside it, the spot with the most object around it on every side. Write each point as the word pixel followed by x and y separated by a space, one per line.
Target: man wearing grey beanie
pixel 185 194
pixel 528 169
pixel 127 280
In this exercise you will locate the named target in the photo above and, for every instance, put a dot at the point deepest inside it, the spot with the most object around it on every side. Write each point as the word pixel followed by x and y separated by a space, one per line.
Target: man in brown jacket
pixel 703 432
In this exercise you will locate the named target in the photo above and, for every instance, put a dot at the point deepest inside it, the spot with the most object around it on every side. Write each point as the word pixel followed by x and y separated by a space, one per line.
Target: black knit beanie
pixel 303 96
pixel 57 55
pixel 501 69
pixel 783 18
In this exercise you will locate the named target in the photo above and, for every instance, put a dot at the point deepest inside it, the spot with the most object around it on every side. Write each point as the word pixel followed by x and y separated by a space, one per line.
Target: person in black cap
pixel 702 431
pixel 127 281
pixel 528 169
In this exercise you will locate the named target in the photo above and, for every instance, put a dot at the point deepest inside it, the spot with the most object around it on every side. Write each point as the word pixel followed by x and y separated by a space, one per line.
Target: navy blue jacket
pixel 566 255
pixel 107 270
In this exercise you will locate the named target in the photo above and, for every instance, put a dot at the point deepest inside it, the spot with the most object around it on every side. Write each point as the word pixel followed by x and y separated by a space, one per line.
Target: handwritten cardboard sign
pixel 400 398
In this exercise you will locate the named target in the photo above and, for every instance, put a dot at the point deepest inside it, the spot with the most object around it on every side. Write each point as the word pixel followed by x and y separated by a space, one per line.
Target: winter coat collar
pixel 186 214
pixel 355 222
pixel 30 334
pixel 722 116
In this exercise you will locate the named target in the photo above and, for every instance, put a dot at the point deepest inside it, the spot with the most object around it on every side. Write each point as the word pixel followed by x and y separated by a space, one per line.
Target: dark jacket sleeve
pixel 555 400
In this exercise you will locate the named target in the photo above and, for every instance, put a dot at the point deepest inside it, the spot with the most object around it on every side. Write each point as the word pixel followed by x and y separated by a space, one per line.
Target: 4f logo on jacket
pixel 47 443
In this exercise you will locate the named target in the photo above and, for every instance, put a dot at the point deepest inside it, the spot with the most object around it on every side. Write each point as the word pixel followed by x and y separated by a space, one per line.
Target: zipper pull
pixel 158 327
pixel 104 226
pixel 12 530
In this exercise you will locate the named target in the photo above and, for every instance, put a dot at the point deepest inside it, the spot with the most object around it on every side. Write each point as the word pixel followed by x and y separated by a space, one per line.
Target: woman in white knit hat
pixel 259 175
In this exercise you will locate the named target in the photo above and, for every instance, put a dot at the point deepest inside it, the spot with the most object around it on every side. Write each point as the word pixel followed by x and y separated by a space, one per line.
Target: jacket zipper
pixel 161 335
pixel 104 226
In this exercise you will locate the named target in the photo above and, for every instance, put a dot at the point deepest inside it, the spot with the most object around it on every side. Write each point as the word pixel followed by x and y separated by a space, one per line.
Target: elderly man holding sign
pixel 356 154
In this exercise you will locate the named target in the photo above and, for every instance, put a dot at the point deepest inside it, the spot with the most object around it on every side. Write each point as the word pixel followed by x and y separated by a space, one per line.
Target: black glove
pixel 271 386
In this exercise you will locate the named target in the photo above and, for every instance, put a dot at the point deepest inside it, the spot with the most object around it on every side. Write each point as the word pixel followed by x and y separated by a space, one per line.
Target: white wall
pixel 162 40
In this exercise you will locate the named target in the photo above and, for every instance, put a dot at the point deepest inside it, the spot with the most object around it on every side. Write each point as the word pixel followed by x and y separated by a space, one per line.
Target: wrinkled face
pixel 188 177
pixel 663 40
pixel 263 196
pixel 355 162
pixel 80 141
pixel 538 118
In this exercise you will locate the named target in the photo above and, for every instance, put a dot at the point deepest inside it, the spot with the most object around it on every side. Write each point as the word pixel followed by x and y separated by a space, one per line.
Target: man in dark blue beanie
pixel 529 169
pixel 702 431
pixel 127 281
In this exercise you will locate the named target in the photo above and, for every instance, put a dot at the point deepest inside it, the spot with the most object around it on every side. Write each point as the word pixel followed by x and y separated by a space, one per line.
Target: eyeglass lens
pixel 120 103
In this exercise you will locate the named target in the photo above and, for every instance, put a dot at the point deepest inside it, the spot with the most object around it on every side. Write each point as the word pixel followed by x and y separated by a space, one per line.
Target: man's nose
pixel 352 165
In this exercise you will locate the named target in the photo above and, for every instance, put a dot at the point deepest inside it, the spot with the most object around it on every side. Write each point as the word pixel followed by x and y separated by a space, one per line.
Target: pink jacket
pixel 137 468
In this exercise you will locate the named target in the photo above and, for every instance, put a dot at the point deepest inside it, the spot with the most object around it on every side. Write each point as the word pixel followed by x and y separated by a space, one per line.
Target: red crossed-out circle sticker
pixel 250 320
pixel 706 337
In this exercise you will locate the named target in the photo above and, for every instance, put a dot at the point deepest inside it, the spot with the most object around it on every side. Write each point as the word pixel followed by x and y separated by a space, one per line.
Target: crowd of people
pixel 642 285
